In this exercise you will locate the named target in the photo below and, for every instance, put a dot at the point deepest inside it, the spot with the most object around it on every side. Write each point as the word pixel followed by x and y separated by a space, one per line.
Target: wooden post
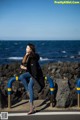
pixel 9 101
pixel 78 100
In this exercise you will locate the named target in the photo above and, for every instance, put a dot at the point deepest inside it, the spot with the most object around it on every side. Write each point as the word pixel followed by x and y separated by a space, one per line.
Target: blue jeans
pixel 28 83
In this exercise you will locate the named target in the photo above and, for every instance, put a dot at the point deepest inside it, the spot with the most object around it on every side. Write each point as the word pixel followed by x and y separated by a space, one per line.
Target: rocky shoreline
pixel 65 92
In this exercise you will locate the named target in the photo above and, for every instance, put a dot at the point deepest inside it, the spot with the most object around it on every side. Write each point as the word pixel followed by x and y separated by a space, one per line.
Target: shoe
pixel 32 107
pixel 31 112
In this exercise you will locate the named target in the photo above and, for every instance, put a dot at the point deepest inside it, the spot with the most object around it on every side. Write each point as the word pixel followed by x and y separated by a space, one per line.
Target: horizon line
pixel 38 40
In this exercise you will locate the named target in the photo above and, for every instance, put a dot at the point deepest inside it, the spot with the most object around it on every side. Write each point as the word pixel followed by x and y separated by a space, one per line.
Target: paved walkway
pixel 40 105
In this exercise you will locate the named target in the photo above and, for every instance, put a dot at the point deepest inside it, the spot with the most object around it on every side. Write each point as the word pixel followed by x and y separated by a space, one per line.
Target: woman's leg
pixel 24 79
pixel 28 83
pixel 31 95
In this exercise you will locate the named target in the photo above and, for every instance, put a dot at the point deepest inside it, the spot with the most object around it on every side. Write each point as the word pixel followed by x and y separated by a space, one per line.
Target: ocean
pixel 49 51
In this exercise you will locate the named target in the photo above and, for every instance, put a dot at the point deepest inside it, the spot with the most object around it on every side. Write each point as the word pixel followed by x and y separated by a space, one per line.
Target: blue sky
pixel 38 20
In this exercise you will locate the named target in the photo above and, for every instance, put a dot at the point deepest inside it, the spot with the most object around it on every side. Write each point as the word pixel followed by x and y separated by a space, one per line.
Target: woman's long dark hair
pixel 32 47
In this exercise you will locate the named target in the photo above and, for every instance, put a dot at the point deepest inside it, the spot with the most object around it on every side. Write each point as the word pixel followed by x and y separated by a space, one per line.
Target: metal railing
pixel 16 78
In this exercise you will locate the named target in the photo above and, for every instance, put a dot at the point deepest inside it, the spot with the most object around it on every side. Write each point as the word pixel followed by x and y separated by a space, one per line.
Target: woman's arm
pixel 24 61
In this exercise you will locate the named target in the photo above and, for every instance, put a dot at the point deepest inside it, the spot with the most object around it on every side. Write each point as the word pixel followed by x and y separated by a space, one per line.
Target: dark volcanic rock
pixel 3 99
pixel 66 89
pixel 63 93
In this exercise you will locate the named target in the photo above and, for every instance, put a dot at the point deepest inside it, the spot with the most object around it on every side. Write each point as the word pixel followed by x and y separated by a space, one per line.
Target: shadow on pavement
pixel 19 104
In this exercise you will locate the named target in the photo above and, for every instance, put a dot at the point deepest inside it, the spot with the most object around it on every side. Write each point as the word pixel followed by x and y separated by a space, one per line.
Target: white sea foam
pixel 6 48
pixel 44 59
pixel 20 58
pixel 43 43
pixel 71 56
pixel 15 58
pixel 63 51
pixel 79 53
pixel 15 43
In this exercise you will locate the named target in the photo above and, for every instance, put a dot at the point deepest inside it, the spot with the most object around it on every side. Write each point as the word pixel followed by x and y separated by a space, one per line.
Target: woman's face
pixel 28 49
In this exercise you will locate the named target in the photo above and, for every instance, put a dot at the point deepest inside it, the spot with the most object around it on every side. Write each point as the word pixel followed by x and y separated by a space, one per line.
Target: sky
pixel 38 20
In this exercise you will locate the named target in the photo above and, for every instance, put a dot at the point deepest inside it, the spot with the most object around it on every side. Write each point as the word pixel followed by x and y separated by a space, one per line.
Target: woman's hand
pixel 23 67
pixel 27 53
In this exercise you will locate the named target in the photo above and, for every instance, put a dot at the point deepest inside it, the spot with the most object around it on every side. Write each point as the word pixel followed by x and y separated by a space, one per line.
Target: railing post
pixel 51 84
pixel 10 89
pixel 78 92
pixel 0 96
pixel 9 101
pixel 79 100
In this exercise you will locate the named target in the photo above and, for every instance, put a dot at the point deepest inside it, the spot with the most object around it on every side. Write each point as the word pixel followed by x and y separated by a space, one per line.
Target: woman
pixel 33 72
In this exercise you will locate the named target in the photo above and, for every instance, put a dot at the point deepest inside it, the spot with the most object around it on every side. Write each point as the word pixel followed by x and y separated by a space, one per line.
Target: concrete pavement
pixel 43 111
pixel 40 105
